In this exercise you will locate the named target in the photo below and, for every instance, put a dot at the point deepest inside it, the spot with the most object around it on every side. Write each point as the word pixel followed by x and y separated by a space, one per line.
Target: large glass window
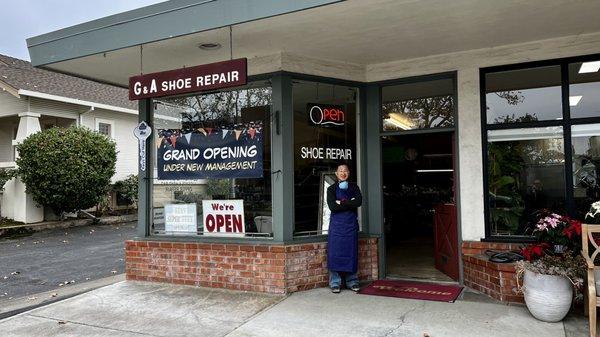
pixel 541 154
pixel 213 162
pixel 526 95
pixel 419 105
pixel 325 130
pixel 586 166
pixel 523 167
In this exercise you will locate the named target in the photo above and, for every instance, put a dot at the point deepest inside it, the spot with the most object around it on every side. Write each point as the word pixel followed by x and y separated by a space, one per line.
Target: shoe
pixel 335 289
pixel 355 288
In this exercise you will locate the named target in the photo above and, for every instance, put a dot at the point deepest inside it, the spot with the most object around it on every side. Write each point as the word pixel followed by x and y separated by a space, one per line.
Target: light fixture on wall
pixel 209 46
pixel 574 100
pixel 589 67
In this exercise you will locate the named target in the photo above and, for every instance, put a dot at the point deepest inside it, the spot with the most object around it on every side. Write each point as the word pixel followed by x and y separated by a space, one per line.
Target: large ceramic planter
pixel 548 297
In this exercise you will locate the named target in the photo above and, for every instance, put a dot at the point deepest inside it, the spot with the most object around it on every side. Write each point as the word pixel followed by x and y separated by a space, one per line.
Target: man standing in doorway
pixel 343 199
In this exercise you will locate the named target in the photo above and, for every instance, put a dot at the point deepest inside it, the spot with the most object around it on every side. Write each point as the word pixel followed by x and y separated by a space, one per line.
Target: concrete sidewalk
pixel 148 309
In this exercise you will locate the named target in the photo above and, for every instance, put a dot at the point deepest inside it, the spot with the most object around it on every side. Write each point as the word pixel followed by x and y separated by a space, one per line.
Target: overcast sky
pixel 22 19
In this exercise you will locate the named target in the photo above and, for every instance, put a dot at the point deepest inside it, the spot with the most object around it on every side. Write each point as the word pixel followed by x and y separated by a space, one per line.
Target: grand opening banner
pixel 205 153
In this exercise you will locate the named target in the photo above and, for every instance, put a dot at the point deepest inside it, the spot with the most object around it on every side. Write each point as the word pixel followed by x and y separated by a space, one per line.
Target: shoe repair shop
pixel 457 119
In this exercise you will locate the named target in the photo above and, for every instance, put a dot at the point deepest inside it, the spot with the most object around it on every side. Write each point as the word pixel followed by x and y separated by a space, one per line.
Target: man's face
pixel 342 173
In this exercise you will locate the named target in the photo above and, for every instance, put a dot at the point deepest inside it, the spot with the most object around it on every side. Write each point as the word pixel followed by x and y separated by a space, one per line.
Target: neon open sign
pixel 326 115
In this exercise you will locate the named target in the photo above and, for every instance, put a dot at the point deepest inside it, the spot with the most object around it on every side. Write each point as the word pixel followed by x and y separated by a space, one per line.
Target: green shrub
pixel 67 169
pixel 5 176
pixel 128 188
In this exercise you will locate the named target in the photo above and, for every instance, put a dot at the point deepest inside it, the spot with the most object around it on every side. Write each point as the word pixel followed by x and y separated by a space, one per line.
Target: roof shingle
pixel 21 74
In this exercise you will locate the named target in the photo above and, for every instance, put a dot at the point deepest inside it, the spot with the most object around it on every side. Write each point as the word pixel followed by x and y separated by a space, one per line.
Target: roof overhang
pixel 343 39
pixel 165 20
pixel 63 99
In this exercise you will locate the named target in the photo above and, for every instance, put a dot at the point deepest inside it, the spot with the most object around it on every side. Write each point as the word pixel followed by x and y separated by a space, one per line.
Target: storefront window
pixel 420 105
pixel 324 136
pixel 584 89
pixel 544 159
pixel 526 95
pixel 525 167
pixel 586 166
pixel 212 164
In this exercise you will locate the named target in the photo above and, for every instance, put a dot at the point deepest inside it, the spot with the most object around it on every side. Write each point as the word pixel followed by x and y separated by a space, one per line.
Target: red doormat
pixel 413 290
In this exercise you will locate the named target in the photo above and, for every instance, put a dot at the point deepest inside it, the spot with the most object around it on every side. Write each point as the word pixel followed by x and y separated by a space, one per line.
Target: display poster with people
pixel 234 151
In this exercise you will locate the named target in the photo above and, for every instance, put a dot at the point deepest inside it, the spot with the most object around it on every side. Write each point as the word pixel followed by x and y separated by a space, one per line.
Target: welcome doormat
pixel 413 290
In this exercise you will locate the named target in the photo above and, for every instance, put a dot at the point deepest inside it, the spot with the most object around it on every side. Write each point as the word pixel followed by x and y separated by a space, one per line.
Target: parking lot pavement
pixel 61 257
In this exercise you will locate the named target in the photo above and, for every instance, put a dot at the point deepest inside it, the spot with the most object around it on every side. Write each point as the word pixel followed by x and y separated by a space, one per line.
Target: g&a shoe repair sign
pixel 223 217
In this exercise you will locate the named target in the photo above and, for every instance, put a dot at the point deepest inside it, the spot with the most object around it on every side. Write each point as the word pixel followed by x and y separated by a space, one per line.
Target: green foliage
pixel 505 165
pixel 219 187
pixel 128 188
pixel 67 169
pixel 6 175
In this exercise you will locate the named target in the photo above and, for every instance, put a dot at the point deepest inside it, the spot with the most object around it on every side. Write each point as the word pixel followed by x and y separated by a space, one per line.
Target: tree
pixel 67 169
pixel 218 108
pixel 428 112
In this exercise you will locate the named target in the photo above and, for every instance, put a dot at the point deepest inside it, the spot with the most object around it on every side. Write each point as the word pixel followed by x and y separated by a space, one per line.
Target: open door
pixel 446 240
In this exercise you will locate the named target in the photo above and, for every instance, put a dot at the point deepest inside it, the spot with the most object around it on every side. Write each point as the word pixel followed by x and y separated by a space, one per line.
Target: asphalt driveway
pixel 60 257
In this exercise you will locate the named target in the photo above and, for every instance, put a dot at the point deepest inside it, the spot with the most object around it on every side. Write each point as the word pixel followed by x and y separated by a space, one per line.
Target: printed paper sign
pixel 181 218
pixel 223 217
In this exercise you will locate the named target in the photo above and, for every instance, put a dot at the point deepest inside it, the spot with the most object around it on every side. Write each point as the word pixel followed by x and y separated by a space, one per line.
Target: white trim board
pixel 75 101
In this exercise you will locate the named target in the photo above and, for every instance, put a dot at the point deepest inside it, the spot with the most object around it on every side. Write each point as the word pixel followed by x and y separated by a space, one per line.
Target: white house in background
pixel 33 99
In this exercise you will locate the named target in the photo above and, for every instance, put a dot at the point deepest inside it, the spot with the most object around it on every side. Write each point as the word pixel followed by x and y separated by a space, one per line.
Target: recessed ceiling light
pixel 209 46
pixel 589 67
pixel 574 100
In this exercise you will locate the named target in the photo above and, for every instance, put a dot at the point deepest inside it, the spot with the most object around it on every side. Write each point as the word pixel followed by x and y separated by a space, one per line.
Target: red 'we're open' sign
pixel 223 217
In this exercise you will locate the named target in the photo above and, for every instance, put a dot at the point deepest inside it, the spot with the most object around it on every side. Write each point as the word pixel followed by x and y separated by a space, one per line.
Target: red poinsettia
pixel 534 251
pixel 573 229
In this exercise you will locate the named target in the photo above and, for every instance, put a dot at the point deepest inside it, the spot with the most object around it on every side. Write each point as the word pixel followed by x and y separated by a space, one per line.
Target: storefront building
pixel 458 120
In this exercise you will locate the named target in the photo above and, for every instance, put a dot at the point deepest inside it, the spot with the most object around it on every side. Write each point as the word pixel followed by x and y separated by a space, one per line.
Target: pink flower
pixel 553 222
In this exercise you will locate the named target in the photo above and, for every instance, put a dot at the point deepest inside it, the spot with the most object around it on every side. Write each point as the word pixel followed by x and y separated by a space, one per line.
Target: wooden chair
pixel 592 300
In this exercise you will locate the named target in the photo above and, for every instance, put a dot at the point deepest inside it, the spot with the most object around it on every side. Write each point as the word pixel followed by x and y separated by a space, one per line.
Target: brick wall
pixel 251 267
pixel 497 280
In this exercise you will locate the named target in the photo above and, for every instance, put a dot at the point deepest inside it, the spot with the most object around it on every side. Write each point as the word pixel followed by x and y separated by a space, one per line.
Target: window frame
pixel 566 122
pixel 152 153
pixel 360 175
pixel 110 122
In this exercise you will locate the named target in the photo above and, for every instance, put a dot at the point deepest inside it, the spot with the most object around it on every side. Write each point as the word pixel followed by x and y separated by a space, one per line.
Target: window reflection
pixel 324 136
pixel 525 175
pixel 586 166
pixel 526 95
pixel 206 121
pixel 420 105
pixel 584 89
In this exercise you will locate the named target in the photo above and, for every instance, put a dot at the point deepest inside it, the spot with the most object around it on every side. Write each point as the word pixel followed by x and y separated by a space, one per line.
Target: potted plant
pixel 553 267
pixel 593 216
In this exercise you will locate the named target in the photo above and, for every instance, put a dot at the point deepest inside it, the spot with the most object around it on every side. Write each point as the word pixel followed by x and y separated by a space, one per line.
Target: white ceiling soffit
pixel 357 32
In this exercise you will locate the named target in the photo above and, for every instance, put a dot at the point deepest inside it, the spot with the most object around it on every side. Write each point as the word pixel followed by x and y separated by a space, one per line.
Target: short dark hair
pixel 342 164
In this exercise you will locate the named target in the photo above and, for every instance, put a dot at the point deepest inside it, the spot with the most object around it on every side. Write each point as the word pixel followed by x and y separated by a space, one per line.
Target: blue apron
pixel 342 242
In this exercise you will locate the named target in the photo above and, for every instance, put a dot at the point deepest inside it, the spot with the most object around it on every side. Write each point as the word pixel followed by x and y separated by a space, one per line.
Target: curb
pixel 20 305
pixel 110 220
